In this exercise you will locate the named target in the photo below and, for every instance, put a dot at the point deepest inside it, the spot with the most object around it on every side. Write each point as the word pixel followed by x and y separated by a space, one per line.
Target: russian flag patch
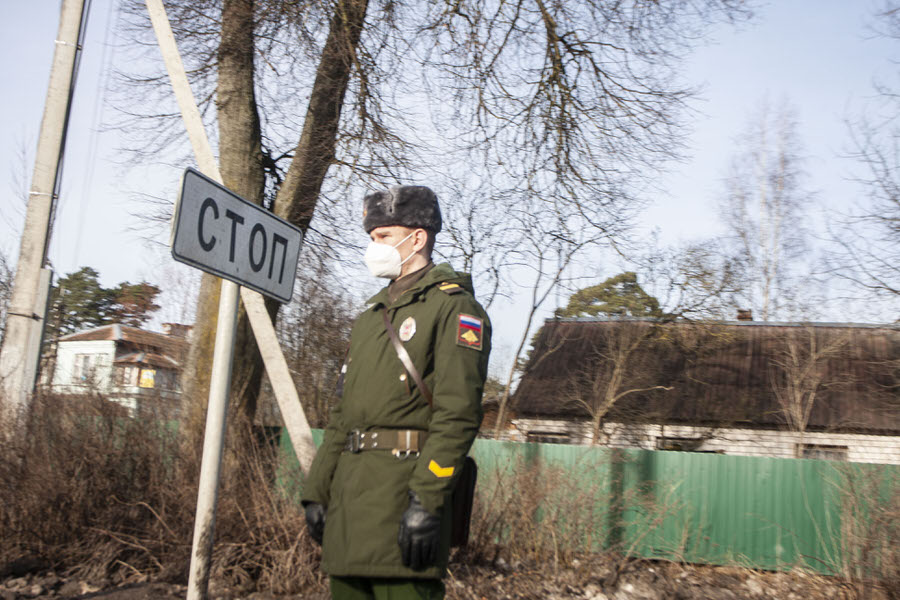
pixel 469 332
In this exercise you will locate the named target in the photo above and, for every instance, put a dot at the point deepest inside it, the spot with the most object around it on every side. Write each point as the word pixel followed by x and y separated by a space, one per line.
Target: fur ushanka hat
pixel 407 205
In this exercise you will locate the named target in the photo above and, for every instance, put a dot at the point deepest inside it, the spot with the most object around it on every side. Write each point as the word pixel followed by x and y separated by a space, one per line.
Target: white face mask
pixel 384 261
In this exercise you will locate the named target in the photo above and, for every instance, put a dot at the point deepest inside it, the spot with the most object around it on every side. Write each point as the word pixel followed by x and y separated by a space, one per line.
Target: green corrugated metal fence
pixel 756 512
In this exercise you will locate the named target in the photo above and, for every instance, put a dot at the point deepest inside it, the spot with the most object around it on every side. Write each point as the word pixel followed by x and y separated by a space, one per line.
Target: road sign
pixel 217 231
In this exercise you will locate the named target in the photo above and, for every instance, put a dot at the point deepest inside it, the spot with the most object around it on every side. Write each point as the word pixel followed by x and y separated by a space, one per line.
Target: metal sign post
pixel 213 443
pixel 215 230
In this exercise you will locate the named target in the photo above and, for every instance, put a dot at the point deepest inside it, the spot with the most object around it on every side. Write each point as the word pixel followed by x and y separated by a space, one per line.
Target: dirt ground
pixel 593 579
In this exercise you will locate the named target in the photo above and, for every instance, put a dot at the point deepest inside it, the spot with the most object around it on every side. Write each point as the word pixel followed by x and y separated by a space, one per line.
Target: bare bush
pixel 106 497
pixel 532 512
pixel 870 528
pixel 6 280
pixel 76 486
pixel 527 513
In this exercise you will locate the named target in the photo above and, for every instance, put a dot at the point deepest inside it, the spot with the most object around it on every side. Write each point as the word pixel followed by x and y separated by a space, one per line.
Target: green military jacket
pixel 366 492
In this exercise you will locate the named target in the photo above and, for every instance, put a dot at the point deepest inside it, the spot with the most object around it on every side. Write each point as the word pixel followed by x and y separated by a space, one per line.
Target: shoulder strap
pixel 403 355
pixel 450 288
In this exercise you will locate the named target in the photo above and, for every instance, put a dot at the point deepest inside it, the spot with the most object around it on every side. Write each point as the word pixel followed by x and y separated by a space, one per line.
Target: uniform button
pixel 403 377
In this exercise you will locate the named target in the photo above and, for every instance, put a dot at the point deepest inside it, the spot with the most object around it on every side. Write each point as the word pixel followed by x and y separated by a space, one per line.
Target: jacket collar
pixel 437 274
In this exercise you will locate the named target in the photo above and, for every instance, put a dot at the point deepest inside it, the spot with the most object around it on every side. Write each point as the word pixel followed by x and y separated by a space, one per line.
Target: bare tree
pixel 628 352
pixel 629 356
pixel 314 330
pixel 179 287
pixel 866 242
pixel 13 215
pixel 6 281
pixel 223 39
pixel 566 102
pixel 546 245
pixel 620 368
pixel 764 210
pixel 802 371
pixel 477 237
pixel 695 280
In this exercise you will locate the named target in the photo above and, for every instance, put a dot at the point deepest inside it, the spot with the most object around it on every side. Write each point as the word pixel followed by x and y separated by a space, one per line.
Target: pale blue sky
pixel 818 54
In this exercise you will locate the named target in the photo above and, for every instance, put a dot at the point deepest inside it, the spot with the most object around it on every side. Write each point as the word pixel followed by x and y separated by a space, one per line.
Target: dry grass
pixel 870 529
pixel 89 491
pixel 533 513
pixel 533 517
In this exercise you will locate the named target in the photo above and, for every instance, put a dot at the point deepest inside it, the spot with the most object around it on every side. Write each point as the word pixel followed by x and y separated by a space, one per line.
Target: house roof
pixel 736 373
pixel 151 359
pixel 170 349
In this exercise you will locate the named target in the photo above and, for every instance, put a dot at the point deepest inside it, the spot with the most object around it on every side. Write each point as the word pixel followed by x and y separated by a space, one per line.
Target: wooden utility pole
pixel 21 350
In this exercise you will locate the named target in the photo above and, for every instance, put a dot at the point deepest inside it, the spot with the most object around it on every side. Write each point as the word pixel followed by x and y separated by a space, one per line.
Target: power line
pixel 96 125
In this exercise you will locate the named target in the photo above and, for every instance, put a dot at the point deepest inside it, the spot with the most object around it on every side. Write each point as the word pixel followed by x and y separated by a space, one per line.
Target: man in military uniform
pixel 378 494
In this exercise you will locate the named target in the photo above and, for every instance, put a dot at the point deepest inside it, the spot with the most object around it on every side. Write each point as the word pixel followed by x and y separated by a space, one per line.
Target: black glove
pixel 315 521
pixel 420 535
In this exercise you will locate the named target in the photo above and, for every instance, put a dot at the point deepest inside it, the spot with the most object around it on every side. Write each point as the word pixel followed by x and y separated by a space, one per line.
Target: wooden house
pixel 135 368
pixel 797 390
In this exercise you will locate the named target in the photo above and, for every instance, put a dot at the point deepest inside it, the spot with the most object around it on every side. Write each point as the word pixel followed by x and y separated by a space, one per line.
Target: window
pixel 679 444
pixel 83 369
pixel 166 379
pixel 822 452
pixel 147 378
pixel 549 437
pixel 126 375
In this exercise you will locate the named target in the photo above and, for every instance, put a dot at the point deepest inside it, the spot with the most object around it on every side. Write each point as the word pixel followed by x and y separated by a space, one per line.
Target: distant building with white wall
pixel 137 369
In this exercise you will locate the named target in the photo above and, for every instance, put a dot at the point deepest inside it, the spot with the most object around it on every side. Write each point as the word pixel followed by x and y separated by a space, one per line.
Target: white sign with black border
pixel 215 230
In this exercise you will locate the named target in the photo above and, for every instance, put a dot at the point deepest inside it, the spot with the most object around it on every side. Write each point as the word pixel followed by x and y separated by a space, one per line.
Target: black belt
pixel 395 440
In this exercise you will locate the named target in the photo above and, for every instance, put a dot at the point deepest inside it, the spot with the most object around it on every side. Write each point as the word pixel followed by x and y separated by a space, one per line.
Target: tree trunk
pixel 241 164
pixel 296 199
pixel 596 428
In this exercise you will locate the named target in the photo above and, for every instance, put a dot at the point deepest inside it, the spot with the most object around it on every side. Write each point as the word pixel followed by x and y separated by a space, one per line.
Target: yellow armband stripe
pixel 440 471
